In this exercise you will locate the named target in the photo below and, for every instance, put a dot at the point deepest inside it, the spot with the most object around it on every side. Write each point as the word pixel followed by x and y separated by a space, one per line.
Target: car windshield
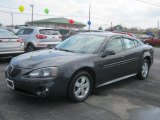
pixel 48 32
pixel 88 44
pixel 7 34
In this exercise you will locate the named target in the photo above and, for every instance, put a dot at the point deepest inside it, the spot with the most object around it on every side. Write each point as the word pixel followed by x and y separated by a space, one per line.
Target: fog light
pixel 42 91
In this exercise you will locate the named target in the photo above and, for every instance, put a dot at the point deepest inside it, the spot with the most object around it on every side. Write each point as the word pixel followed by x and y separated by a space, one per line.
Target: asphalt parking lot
pixel 130 99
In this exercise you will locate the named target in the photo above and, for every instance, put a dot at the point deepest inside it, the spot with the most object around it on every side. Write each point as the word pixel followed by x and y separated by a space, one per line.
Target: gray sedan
pixel 10 44
pixel 79 64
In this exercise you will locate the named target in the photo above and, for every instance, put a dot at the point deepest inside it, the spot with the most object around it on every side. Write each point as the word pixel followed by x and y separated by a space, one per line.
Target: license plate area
pixel 51 46
pixel 10 83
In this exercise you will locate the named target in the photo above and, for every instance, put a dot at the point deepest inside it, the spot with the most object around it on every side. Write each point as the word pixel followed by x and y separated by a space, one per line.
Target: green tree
pixel 100 28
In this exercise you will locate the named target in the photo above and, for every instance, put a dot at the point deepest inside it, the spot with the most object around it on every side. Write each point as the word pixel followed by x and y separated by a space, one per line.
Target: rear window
pixel 64 32
pixel 7 34
pixel 48 32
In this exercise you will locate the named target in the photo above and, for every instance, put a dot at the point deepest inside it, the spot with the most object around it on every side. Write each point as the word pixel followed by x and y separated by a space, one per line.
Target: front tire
pixel 80 87
pixel 143 73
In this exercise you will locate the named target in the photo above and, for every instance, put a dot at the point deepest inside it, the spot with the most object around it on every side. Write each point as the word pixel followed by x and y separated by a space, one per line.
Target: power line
pixel 51 15
pixel 150 3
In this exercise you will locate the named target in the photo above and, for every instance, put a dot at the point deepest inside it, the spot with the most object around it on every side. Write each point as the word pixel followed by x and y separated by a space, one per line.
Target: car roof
pixel 105 34
pixel 38 28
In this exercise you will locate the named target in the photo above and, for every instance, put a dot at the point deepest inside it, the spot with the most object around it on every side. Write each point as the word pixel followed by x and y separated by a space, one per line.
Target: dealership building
pixel 59 23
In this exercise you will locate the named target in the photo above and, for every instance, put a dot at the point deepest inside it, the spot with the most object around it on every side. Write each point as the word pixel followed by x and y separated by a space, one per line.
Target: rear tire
pixel 80 87
pixel 143 73
pixel 30 48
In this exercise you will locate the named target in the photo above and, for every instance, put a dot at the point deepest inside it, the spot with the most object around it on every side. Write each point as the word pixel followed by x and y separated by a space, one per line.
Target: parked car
pixel 10 44
pixel 39 38
pixel 66 33
pixel 79 64
pixel 143 37
pixel 125 33
pixel 83 31
pixel 18 27
pixel 154 41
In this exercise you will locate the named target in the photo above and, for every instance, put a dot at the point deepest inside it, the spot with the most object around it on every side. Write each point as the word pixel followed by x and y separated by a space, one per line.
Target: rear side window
pixel 28 31
pixel 129 43
pixel 48 32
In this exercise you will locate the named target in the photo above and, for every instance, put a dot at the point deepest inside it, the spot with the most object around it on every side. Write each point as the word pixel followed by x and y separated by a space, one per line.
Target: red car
pixel 154 41
pixel 125 33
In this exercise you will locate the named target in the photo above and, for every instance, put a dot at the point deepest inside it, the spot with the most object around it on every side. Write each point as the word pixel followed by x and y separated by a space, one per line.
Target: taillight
pixel 20 40
pixel 41 36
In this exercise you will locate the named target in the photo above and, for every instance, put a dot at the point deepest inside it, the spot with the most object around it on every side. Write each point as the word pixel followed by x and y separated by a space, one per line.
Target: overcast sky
pixel 129 13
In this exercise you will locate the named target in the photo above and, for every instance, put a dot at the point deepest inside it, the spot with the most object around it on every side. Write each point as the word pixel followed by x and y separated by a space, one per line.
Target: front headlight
pixel 44 72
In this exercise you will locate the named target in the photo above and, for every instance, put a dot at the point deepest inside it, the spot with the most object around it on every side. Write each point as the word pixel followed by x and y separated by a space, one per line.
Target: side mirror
pixel 107 52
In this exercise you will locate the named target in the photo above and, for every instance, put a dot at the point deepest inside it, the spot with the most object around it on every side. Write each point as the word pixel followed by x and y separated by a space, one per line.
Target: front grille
pixel 13 72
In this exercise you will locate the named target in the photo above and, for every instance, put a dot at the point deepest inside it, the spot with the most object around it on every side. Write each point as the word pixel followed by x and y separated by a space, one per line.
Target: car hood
pixel 45 58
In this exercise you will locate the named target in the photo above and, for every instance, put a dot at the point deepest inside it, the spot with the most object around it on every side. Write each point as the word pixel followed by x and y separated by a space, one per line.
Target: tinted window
pixel 82 43
pixel 20 32
pixel 28 31
pixel 64 32
pixel 115 45
pixel 129 43
pixel 7 34
pixel 48 32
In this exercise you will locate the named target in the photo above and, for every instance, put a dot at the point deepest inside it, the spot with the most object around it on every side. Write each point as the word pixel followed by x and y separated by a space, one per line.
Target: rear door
pixel 157 41
pixel 51 35
pixel 132 56
pixel 9 42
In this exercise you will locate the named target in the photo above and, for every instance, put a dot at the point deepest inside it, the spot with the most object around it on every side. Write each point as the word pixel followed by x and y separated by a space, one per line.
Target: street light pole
pixel 32 6
pixel 89 16
pixel 12 20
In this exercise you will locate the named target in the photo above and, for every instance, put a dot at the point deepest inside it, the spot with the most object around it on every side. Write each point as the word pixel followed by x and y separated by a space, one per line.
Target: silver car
pixel 39 38
pixel 10 44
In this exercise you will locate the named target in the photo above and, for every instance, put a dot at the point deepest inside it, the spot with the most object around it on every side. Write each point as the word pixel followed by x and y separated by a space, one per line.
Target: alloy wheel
pixel 81 87
pixel 145 69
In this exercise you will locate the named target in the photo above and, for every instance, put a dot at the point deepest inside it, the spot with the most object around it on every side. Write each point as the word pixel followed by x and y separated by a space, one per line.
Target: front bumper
pixel 42 87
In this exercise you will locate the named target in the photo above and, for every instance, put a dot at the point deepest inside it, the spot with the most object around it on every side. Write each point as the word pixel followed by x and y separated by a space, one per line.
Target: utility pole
pixel 12 20
pixel 89 16
pixel 158 29
pixel 158 24
pixel 32 6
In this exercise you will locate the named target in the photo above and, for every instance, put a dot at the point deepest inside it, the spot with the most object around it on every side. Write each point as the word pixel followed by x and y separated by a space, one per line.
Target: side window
pixel 136 42
pixel 28 31
pixel 129 43
pixel 115 45
pixel 20 32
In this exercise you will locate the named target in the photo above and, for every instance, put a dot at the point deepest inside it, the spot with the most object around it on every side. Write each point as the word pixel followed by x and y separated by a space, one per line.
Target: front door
pixel 111 67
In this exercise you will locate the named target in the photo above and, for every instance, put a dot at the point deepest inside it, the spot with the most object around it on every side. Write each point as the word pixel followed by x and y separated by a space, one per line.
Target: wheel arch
pixel 147 55
pixel 149 59
pixel 87 69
